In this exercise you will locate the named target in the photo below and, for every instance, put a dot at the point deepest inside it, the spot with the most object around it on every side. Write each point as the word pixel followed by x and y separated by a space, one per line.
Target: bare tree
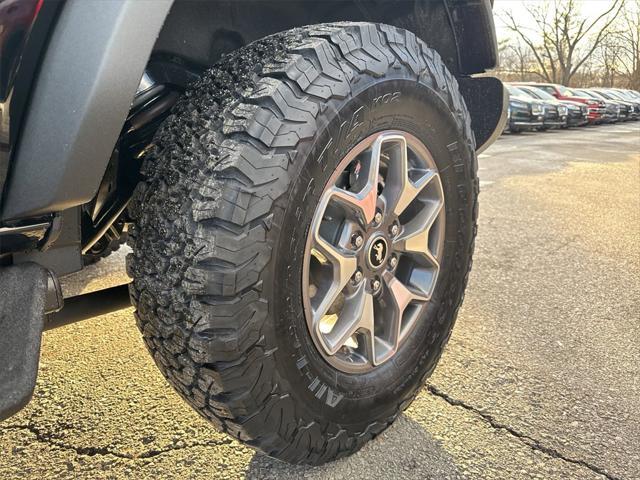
pixel 627 39
pixel 605 62
pixel 516 61
pixel 563 39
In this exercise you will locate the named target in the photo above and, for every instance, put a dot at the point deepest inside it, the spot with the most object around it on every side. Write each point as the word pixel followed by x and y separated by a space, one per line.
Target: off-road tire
pixel 221 218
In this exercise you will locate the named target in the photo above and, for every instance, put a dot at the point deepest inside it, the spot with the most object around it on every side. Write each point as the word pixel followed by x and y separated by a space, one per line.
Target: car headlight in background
pixel 536 109
pixel 562 110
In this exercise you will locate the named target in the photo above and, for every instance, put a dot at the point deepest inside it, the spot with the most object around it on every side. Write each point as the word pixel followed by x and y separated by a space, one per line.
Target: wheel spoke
pixel 362 202
pixel 344 264
pixel 401 297
pixel 402 189
pixel 401 294
pixel 410 190
pixel 357 314
pixel 419 244
pixel 415 237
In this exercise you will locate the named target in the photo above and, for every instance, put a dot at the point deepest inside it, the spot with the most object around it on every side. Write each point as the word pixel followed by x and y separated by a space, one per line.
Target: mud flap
pixel 487 101
pixel 23 299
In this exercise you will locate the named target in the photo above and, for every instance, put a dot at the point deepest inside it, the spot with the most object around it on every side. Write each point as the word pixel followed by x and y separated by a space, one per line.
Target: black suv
pixel 525 113
pixel 297 181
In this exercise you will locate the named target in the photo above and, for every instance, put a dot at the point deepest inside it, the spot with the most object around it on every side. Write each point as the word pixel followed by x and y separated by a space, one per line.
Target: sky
pixel 589 8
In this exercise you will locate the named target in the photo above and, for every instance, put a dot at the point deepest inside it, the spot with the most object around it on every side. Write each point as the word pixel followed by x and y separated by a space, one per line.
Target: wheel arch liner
pixel 90 72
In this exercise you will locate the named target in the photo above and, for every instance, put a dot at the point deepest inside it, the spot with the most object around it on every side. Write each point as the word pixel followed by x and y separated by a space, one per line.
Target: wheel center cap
pixel 378 252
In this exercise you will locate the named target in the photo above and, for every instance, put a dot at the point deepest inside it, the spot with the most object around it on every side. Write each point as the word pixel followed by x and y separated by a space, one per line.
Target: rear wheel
pixel 304 234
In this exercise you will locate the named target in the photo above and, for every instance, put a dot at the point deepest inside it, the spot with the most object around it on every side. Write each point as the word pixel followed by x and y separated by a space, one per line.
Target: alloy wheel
pixel 373 251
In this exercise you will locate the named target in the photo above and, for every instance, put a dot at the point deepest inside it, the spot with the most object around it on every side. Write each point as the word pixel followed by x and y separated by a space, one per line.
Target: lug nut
pixel 394 229
pixel 375 285
pixel 357 277
pixel 378 217
pixel 393 262
pixel 357 240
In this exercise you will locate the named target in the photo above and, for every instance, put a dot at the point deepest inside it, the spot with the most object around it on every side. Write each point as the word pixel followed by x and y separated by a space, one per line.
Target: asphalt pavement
pixel 541 378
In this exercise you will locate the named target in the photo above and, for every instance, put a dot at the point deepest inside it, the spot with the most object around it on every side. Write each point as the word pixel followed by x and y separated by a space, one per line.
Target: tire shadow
pixel 405 450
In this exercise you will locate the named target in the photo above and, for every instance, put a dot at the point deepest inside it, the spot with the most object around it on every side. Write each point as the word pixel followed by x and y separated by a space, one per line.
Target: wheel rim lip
pixel 426 156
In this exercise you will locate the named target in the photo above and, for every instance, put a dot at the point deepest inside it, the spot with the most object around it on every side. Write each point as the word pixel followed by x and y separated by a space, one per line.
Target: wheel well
pixel 201 32
pixel 197 33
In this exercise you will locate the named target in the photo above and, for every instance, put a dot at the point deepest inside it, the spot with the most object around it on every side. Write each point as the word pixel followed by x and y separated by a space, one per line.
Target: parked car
pixel 626 108
pixel 596 108
pixel 555 113
pixel 623 109
pixel 612 110
pixel 558 114
pixel 632 105
pixel 525 113
pixel 577 113
pixel 293 278
pixel 630 94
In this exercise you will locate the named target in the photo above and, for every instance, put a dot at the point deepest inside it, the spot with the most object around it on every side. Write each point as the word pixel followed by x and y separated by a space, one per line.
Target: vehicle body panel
pixel 24 26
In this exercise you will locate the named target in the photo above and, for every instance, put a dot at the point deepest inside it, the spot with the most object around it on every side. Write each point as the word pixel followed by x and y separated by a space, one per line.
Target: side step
pixel 27 292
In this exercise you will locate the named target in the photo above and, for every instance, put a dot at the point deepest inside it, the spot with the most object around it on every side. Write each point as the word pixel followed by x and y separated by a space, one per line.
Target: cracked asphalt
pixel 541 378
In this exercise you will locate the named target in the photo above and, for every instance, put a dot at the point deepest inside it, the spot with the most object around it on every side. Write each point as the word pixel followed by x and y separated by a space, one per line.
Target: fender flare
pixel 89 75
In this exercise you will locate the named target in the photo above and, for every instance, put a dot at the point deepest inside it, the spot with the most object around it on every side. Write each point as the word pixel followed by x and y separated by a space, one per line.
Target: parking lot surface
pixel 541 378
